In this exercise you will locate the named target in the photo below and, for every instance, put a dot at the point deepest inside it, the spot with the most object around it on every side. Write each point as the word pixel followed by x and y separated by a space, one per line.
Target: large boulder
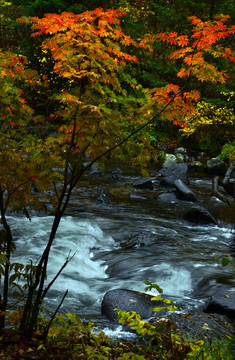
pixel 184 192
pixel 128 300
pixel 222 303
pixel 199 215
pixel 177 168
pixel 171 173
pixel 216 166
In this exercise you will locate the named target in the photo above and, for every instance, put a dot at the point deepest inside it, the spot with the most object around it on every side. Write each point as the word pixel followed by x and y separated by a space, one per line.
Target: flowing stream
pixel 183 260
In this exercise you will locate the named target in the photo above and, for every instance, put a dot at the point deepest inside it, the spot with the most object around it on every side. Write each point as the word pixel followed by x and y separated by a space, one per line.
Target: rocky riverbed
pixel 168 229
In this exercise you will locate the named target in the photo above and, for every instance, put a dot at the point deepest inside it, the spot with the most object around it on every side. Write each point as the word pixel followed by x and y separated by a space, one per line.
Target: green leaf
pixel 226 260
pixel 157 309
pixel 152 286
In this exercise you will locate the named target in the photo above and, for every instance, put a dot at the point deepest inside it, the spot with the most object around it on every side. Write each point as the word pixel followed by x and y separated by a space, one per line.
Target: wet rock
pixel 200 215
pixel 174 169
pixel 168 181
pixel 216 166
pixel 127 300
pixel 223 303
pixel 167 197
pixel 143 183
pixel 193 325
pixel 138 240
pixel 184 192
pixel 172 173
pixel 190 325
pixel 104 197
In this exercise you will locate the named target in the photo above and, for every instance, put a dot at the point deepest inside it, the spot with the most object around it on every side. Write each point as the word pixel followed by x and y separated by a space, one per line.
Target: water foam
pixel 73 237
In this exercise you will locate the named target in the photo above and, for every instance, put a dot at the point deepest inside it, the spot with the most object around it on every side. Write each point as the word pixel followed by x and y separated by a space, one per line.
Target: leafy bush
pixel 211 126
pixel 228 152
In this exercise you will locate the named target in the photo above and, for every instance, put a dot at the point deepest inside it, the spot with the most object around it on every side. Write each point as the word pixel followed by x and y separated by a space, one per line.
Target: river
pixel 185 259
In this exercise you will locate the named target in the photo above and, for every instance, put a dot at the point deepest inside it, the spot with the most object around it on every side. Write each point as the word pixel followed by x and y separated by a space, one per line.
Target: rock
pixel 139 239
pixel 216 166
pixel 223 304
pixel 184 192
pixel 200 215
pixel 170 160
pixel 180 157
pixel 191 325
pixel 176 168
pixel 167 197
pixel 196 166
pixel 168 181
pixel 171 173
pixel 180 150
pixel 143 183
pixel 104 197
pixel 128 300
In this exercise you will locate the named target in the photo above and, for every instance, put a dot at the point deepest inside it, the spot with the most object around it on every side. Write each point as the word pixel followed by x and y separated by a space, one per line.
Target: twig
pixel 45 333
pixel 59 272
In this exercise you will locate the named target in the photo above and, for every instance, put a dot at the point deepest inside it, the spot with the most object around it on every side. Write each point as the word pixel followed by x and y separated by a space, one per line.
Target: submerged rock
pixel 139 239
pixel 104 197
pixel 143 183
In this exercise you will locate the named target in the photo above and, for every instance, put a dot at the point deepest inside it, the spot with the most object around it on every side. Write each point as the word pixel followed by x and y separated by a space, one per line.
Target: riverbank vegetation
pixel 119 81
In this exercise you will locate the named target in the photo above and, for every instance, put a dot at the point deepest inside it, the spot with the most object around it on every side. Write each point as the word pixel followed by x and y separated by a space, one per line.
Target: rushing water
pixel 183 260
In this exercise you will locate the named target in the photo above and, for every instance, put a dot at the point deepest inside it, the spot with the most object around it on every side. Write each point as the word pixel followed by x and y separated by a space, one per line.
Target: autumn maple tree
pixel 193 53
pixel 100 110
